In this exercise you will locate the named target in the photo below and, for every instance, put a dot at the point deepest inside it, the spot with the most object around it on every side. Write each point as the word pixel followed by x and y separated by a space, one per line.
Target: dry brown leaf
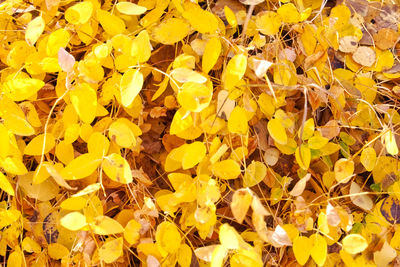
pixel 359 198
pixel 364 56
pixel 300 186
pixel 332 215
pixel 330 130
pixel 348 44
pixel 386 38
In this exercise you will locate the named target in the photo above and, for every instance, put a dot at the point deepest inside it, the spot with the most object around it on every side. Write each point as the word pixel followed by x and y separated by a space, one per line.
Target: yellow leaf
pixel 211 54
pixel 87 190
pixel 197 18
pixel 184 75
pixel 276 195
pixel 111 250
pixel 34 29
pixel 367 88
pixel 141 47
pixel 303 156
pixel 317 142
pixel 385 167
pixel 98 144
pixel 171 31
pixel 329 149
pixel 302 247
pixel 29 245
pixel 129 8
pixel 104 225
pixel 22 89
pixel 226 169
pixel 179 179
pixel 5 185
pixel 218 256
pixel 131 84
pixel 71 133
pixel 18 124
pixel 216 155
pixel 8 217
pixel 94 209
pixel 305 14
pixel 285 73
pixel 4 141
pixel 184 255
pixel 289 13
pixel 194 96
pixel 289 148
pixel 15 259
pixel 184 127
pixel 255 173
pixel 16 57
pixel 57 39
pixel 368 158
pixel 81 167
pixel 344 169
pixel 65 152
pixel 239 154
pixel 166 201
pixel 73 221
pixel 319 250
pixel 79 13
pixel 268 22
pixel 240 204
pixel 245 257
pixel 174 158
pixel 122 134
pixel 308 129
pixel 341 14
pixel 44 191
pixel 395 241
pixel 228 237
pixel 230 16
pixel 131 232
pixel 13 165
pixel 32 115
pixel 195 152
pixel 117 168
pixel 40 145
pixel 84 100
pixel 266 104
pixel 390 143
pixel 234 71
pixel 57 251
pixel 291 231
pixel 111 24
pixel 168 237
pixel 74 203
pixel 237 122
pixel 277 131
pixel 354 243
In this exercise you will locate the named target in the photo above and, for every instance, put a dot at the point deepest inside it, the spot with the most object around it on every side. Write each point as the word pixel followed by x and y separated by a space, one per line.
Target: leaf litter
pixel 199 133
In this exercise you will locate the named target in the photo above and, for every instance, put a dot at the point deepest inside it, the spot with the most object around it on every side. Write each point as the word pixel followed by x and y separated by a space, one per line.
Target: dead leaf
pixel 358 198
pixel 364 56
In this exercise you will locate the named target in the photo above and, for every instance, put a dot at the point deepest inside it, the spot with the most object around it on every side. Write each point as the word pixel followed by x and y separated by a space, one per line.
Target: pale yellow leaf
pixel 73 221
pixel 354 243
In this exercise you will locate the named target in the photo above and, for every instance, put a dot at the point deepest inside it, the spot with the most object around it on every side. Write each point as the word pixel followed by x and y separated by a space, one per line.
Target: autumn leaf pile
pixel 199 133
